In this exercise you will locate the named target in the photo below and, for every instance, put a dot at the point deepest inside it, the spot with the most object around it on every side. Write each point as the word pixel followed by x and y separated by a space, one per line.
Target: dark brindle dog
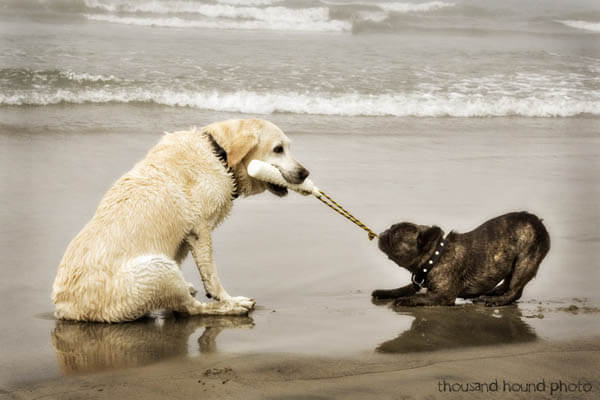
pixel 491 264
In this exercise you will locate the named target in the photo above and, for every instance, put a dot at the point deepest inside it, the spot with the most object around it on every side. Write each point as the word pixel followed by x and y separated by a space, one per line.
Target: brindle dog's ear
pixel 428 238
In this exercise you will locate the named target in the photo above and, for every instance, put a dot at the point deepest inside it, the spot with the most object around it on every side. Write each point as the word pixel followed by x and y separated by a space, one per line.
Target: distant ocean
pixel 471 58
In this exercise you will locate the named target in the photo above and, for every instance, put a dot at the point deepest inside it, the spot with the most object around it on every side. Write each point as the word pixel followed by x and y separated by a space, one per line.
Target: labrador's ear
pixel 429 237
pixel 235 137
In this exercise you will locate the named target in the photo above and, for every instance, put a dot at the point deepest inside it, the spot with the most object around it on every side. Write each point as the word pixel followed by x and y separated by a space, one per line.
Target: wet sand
pixel 537 370
pixel 316 333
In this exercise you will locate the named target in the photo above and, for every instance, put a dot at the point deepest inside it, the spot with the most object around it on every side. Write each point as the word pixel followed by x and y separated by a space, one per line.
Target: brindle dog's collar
pixel 419 278
pixel 221 154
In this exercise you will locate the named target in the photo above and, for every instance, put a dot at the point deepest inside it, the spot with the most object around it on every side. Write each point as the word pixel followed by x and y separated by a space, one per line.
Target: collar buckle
pixel 418 284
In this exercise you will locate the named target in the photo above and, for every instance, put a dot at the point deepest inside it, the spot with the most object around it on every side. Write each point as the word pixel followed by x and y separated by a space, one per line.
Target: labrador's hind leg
pixel 156 282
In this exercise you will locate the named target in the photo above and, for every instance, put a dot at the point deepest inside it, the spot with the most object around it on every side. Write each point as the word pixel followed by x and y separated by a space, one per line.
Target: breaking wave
pixel 287 15
pixel 284 15
pixel 308 23
pixel 583 25
pixel 249 2
pixel 216 10
pixel 48 79
pixel 413 104
pixel 414 7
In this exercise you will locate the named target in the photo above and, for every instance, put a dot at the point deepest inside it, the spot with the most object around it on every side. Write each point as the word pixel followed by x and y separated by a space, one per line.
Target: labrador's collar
pixel 419 278
pixel 221 154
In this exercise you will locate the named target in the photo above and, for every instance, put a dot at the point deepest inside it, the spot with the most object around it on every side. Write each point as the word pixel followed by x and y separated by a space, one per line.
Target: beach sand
pixel 538 370
pixel 315 333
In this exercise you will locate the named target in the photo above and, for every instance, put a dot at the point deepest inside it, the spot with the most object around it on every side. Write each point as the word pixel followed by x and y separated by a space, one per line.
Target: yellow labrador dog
pixel 126 261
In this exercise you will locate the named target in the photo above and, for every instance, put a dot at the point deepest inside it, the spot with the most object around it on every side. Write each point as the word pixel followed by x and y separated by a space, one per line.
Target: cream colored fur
pixel 126 261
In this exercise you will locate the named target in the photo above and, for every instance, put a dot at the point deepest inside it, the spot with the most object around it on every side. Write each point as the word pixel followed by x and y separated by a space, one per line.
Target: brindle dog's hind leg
pixel 499 290
pixel 526 266
pixel 525 269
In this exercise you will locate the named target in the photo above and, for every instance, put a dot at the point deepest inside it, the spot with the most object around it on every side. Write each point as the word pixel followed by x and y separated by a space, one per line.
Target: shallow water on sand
pixel 310 270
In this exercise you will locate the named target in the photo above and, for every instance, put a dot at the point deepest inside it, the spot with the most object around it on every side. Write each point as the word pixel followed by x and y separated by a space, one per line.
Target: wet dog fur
pixel 126 261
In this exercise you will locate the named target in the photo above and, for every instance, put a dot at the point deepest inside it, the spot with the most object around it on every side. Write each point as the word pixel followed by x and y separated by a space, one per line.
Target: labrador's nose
pixel 302 174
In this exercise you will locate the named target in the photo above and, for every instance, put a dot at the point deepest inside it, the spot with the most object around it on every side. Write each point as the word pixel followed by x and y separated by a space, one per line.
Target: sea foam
pixel 414 7
pixel 583 25
pixel 217 10
pixel 247 15
pixel 249 2
pixel 249 102
pixel 86 77
pixel 307 22
pixel 402 7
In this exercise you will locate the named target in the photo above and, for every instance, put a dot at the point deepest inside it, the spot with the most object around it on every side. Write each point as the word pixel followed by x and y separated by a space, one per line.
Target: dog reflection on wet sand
pixel 86 347
pixel 439 328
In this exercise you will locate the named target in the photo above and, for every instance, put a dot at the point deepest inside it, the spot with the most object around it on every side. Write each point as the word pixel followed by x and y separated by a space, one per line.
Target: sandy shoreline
pixel 564 370
pixel 315 333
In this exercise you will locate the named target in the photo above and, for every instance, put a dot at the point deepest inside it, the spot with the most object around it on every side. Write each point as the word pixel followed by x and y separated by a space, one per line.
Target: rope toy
pixel 268 173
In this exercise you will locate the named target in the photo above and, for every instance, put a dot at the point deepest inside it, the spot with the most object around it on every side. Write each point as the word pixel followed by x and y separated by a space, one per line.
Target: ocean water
pixel 464 58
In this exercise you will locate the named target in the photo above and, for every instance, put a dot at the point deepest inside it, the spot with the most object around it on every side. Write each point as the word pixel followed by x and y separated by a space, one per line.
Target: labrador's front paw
pixel 230 308
pixel 245 302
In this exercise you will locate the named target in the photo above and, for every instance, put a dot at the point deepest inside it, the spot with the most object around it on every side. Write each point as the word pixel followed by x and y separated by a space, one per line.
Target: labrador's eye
pixel 278 149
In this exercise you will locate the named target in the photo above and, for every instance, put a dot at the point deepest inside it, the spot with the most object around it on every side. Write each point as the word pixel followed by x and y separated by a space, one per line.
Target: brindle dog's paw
pixel 381 294
pixel 497 303
pixel 480 299
pixel 491 301
pixel 403 302
pixel 380 297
